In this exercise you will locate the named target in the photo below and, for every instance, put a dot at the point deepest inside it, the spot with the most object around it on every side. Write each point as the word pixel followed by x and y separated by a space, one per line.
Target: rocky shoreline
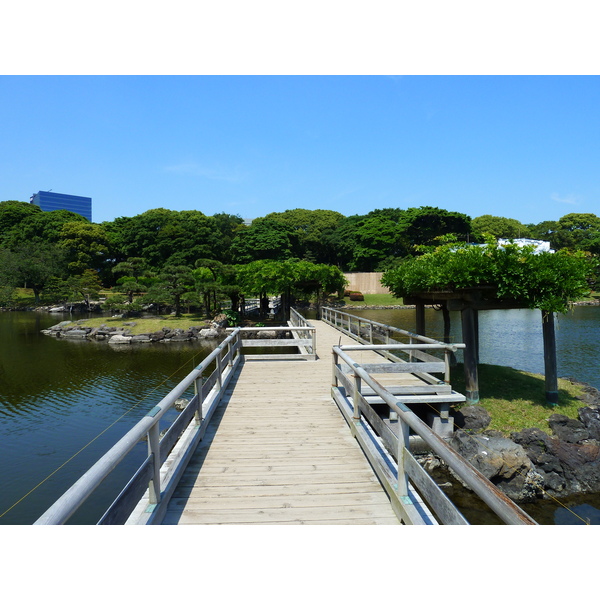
pixel 122 334
pixel 530 464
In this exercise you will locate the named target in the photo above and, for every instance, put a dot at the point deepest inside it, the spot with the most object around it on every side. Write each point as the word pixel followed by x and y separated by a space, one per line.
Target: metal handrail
pixel 496 500
pixel 416 342
pixel 80 491
pixel 325 317
pixel 304 337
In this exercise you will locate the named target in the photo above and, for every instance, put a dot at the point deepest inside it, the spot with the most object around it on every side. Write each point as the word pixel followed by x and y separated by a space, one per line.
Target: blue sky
pixel 525 147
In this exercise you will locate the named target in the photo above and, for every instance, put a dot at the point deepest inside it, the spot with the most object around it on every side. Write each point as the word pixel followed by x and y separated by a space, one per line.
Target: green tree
pixel 286 278
pixel 577 231
pixel 12 214
pixel 40 226
pixel 422 226
pixel 376 239
pixel 498 227
pixel 85 246
pixel 312 228
pixel 548 281
pixel 86 284
pixel 228 226
pixel 164 237
pixel 265 239
pixel 31 265
pixel 172 282
pixel 136 277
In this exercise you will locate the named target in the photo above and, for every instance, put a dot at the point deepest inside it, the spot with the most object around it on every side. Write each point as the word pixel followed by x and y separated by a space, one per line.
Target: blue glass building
pixel 48 201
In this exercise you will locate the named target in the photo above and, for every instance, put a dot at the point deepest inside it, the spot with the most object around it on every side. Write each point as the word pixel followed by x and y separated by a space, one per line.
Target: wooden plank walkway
pixel 278 451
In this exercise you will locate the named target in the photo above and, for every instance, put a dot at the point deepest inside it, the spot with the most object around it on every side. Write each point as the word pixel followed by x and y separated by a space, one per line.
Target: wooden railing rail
pixel 301 337
pixel 180 439
pixel 367 331
pixel 297 320
pixel 363 420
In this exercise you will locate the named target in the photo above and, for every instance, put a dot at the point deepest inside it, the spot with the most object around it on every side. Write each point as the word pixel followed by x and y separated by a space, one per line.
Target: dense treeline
pixel 176 257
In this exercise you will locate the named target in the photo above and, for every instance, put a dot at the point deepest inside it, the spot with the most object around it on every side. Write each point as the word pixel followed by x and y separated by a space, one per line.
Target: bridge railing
pixel 167 457
pixel 301 337
pixel 297 320
pixel 379 442
pixel 416 348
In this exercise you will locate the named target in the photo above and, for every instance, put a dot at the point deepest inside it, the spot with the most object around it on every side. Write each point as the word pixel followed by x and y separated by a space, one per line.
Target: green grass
pixel 150 325
pixel 516 399
pixel 375 300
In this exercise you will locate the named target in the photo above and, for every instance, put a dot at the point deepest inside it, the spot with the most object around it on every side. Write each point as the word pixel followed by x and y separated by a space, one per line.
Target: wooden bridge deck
pixel 278 451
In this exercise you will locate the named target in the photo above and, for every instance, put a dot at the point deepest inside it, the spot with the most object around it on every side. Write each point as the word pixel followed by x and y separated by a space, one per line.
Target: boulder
pixel 501 460
pixel 590 417
pixel 119 339
pixel 568 430
pixel 208 333
pixel 74 333
pixel 566 467
pixel 220 321
pixel 266 335
pixel 140 339
pixel 472 418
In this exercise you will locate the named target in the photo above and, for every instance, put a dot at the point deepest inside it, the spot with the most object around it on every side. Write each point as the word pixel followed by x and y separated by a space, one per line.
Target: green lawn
pixel 375 300
pixel 149 325
pixel 516 400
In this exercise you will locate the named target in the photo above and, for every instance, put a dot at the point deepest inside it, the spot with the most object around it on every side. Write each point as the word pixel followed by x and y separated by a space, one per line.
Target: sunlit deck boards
pixel 279 452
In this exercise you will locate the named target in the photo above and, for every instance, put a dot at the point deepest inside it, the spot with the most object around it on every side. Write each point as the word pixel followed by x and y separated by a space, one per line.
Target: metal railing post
pixel 154 449
pixel 356 397
pixel 198 389
pixel 403 444
pixel 336 361
pixel 219 370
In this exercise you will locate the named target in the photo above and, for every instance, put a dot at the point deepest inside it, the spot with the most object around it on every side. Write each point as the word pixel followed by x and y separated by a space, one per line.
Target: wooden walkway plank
pixel 280 452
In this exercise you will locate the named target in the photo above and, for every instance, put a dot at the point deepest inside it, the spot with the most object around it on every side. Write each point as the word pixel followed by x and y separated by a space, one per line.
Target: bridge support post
pixel 420 318
pixel 550 370
pixel 469 331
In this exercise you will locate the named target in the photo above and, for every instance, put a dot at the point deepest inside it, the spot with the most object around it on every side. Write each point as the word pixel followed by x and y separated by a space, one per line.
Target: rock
pixel 60 325
pixel 120 339
pixel 140 339
pixel 208 333
pixel 501 460
pixel 220 321
pixel 77 333
pixel 590 417
pixel 568 430
pixel 566 467
pixel 266 335
pixel 181 403
pixel 473 418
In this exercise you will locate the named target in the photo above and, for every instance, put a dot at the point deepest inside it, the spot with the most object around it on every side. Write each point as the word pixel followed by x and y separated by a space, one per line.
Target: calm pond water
pixel 63 403
pixel 72 398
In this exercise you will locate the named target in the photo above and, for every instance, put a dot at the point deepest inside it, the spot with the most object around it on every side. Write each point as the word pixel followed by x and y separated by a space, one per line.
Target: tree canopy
pixel 548 281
